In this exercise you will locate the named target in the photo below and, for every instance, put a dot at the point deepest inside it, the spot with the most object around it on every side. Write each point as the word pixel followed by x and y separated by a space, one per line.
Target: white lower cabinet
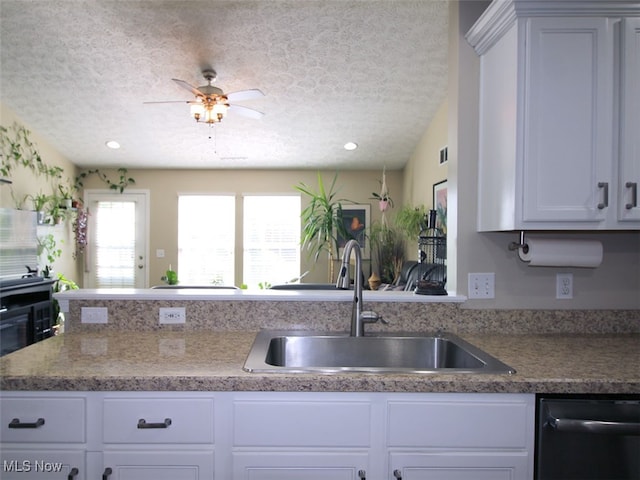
pixel 266 436
pixel 283 465
pixel 157 464
pixel 293 436
pixel 458 466
pixel 42 464
pixel 43 436
pixel 157 437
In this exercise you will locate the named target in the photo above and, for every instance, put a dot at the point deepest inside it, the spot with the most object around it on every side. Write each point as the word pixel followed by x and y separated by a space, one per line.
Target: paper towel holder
pixel 522 244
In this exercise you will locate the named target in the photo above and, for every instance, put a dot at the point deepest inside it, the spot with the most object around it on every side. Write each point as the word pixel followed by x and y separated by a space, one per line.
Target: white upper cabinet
pixel 559 121
pixel 628 207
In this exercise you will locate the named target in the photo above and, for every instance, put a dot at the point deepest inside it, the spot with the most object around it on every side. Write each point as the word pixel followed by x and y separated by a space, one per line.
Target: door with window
pixel 116 256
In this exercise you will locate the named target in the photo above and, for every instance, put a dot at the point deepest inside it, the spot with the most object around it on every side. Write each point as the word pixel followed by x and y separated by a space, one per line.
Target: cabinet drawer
pixel 63 419
pixel 154 420
pixel 301 424
pixel 458 424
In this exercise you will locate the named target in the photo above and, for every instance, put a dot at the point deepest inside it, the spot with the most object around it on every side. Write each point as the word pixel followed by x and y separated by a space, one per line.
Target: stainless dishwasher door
pixel 588 439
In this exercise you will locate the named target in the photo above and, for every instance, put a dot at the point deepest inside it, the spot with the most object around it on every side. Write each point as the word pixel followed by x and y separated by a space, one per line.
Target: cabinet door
pixel 458 466
pixel 158 465
pixel 567 143
pixel 300 465
pixel 628 207
pixel 42 465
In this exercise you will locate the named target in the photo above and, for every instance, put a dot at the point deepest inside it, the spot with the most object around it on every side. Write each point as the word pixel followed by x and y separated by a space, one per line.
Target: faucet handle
pixel 371 317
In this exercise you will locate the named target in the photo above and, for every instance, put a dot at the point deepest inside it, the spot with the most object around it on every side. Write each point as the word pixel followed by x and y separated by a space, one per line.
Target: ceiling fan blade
pixel 244 95
pixel 245 111
pixel 189 87
pixel 169 101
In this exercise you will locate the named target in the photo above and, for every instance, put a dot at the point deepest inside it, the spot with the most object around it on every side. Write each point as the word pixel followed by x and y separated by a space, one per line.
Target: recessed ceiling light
pixel 113 144
pixel 350 146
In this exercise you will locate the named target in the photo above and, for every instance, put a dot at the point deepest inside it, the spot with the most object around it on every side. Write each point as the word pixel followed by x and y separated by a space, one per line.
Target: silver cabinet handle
pixel 142 423
pixel 397 474
pixel 605 197
pixel 634 195
pixel 16 423
pixel 593 426
pixel 107 473
pixel 74 472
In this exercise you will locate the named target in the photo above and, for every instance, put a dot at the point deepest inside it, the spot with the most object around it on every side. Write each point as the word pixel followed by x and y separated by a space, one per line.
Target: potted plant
pixel 388 249
pixel 411 220
pixel 384 201
pixel 383 198
pixel 39 203
pixel 65 198
pixel 322 221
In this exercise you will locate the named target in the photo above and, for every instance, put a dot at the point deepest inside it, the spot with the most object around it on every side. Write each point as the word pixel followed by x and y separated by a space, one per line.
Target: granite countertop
pixel 212 361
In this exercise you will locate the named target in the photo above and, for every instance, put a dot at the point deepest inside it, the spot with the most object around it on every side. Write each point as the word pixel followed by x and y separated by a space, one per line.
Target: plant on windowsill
pixel 170 277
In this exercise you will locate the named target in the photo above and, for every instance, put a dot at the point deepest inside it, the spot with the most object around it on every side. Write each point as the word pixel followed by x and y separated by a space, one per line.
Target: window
pixel 271 240
pixel 206 237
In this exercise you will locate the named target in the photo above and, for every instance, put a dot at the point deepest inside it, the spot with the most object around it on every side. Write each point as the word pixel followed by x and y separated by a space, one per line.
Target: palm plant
pixel 322 220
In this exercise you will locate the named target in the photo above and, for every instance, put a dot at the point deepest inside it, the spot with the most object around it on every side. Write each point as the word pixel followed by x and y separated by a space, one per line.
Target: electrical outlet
pixel 172 315
pixel 94 315
pixel 482 285
pixel 564 285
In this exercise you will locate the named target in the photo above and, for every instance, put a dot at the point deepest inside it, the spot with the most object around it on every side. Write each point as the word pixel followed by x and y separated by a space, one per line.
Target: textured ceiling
pixel 333 71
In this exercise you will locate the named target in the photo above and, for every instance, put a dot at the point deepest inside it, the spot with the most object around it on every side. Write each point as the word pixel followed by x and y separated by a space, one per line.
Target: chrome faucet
pixel 358 316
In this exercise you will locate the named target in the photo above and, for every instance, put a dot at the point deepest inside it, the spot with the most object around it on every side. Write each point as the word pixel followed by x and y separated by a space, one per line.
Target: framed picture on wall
pixel 440 204
pixel 355 219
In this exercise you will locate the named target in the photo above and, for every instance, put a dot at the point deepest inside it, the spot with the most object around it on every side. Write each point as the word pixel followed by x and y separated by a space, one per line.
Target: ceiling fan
pixel 211 103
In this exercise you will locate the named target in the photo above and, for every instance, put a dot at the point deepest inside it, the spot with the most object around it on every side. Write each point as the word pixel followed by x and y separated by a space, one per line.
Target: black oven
pixel 26 313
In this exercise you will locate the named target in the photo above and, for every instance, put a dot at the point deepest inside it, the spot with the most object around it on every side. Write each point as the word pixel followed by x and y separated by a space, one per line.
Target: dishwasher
pixel 590 437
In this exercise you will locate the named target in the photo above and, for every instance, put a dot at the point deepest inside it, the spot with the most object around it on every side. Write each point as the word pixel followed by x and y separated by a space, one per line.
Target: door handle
pixel 634 195
pixel 593 426
pixel 16 423
pixel 605 195
pixel 397 474
pixel 107 473
pixel 73 473
pixel 142 423
pixel 362 475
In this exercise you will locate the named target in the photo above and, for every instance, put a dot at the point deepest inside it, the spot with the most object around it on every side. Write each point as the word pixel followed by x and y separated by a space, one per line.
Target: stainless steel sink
pixel 288 352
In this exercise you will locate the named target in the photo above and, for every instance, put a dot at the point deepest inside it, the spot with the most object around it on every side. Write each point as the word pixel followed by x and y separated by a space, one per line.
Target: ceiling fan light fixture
pixel 210 109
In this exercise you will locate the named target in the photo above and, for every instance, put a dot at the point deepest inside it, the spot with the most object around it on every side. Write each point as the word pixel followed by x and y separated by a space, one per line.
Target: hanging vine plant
pixel 123 181
pixel 17 149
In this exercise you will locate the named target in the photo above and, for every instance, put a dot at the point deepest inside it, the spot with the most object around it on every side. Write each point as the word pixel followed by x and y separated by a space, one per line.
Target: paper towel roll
pixel 545 252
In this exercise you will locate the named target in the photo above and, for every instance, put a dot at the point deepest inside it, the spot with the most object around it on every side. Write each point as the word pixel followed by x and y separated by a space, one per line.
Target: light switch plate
pixel 482 285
